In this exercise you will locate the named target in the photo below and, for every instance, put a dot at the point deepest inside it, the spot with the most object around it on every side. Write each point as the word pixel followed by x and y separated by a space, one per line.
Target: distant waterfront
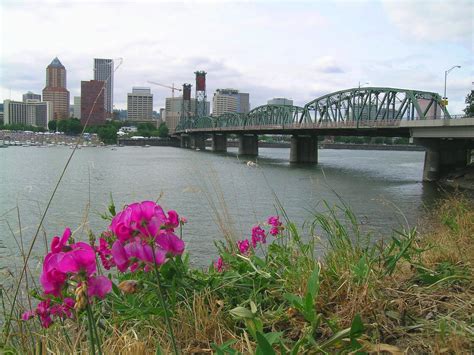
pixel 379 185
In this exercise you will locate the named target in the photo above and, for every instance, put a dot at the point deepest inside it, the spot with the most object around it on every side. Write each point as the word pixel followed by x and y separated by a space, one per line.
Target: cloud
pixel 328 65
pixel 433 20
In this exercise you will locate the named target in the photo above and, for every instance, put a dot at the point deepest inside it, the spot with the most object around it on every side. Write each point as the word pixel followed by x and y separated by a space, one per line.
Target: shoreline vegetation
pixel 323 288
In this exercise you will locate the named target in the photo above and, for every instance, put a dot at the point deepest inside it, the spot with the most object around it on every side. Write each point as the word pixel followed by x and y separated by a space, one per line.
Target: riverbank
pixel 412 294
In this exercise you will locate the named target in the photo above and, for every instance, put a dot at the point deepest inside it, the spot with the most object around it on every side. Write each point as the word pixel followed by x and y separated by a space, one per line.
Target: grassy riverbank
pixel 413 293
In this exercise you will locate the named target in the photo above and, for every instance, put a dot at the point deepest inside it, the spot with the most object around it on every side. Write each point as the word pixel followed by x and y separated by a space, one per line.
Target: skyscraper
pixel 55 90
pixel 92 103
pixel 30 96
pixel 230 100
pixel 140 104
pixel 31 112
pixel 104 70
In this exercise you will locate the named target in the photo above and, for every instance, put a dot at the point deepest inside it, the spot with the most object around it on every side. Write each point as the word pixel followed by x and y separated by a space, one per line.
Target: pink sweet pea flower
pixel 258 235
pixel 276 225
pixel 105 254
pixel 219 264
pixel 98 286
pixel 27 315
pixel 244 246
pixel 58 244
pixel 145 236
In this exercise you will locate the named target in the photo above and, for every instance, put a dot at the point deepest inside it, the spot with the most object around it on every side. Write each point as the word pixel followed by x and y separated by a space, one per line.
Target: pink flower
pixel 136 253
pixel 105 254
pixel 142 228
pixel 173 219
pixel 219 264
pixel 45 311
pixel 258 235
pixel 170 243
pixel 27 315
pixel 274 221
pixel 58 244
pixel 98 286
pixel 244 246
pixel 79 258
pixel 183 220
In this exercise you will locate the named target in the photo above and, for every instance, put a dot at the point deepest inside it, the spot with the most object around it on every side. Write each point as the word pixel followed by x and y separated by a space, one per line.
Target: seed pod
pixel 81 297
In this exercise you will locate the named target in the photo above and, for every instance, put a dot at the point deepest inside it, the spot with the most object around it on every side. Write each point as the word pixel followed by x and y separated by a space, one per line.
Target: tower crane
pixel 172 87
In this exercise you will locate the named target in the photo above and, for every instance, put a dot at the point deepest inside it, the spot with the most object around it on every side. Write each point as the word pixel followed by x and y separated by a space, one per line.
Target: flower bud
pixel 128 286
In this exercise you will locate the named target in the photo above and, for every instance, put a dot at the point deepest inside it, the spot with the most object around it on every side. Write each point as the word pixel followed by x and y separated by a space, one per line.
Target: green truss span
pixel 351 105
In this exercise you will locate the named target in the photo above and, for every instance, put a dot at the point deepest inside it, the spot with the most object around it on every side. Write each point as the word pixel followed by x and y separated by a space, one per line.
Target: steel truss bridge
pixel 346 110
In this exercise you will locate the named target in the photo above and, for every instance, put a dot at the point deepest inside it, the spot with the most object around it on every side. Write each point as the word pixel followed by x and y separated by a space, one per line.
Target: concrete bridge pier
pixel 444 156
pixel 198 141
pixel 219 142
pixel 184 141
pixel 248 144
pixel 304 149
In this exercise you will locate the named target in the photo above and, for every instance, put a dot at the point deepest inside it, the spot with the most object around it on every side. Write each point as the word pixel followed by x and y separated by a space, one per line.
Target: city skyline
pixel 293 50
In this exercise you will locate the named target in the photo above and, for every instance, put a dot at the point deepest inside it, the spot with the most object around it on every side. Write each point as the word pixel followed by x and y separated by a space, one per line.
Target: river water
pixel 382 187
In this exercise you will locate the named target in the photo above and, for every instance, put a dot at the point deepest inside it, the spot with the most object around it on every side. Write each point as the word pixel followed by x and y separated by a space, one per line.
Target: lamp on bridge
pixel 445 99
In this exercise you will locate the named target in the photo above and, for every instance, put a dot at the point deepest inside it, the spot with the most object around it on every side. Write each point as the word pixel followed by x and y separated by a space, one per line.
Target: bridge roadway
pixel 387 112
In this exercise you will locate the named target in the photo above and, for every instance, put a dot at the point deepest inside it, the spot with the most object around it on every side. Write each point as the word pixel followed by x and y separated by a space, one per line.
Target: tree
pixel 469 110
pixel 107 134
pixel 163 130
pixel 52 125
pixel 70 126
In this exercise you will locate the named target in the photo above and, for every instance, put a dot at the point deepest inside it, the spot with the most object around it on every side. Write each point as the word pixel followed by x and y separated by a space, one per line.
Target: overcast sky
pixel 293 49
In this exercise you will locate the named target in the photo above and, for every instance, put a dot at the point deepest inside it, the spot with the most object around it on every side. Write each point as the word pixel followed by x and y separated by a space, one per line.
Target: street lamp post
pixel 446 76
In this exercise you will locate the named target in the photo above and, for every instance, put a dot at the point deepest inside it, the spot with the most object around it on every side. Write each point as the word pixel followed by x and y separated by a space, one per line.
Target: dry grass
pixel 401 315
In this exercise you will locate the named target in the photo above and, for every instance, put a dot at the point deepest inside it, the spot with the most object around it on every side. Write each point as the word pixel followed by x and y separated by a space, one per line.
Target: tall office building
pixel 140 104
pixel 30 113
pixel 30 96
pixel 55 90
pixel 77 107
pixel 172 112
pixel 104 70
pixel 280 101
pixel 92 103
pixel 230 100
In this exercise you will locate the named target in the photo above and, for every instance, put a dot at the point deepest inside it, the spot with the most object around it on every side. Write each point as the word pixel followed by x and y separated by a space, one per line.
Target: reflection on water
pixel 379 185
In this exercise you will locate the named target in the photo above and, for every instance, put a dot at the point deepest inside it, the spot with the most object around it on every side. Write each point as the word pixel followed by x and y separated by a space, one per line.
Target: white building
pixel 280 101
pixel 31 112
pixel 77 107
pixel 140 104
pixel 104 70
pixel 230 100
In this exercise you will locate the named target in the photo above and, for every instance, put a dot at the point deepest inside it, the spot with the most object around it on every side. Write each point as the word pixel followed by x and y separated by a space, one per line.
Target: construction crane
pixel 172 87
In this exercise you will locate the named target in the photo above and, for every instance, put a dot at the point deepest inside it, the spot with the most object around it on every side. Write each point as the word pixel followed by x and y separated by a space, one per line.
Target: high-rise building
pixel 280 101
pixel 172 112
pixel 104 70
pixel 55 90
pixel 30 113
pixel 77 107
pixel 30 96
pixel 92 102
pixel 140 104
pixel 230 100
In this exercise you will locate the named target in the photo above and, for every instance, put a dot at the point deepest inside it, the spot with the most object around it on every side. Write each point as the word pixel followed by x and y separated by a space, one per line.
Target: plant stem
pixel 93 331
pixel 163 304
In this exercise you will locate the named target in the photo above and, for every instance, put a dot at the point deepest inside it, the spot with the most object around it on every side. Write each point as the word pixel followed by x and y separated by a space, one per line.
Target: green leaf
pixel 295 301
pixel 264 346
pixel 357 327
pixel 313 282
pixel 241 313
pixel 273 337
